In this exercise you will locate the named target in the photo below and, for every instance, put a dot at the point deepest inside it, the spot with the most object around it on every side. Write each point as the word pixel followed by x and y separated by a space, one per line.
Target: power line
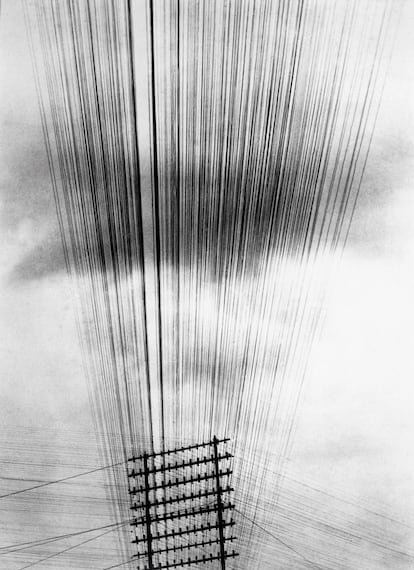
pixel 281 541
pixel 255 117
pixel 26 545
pixel 61 480
pixel 66 549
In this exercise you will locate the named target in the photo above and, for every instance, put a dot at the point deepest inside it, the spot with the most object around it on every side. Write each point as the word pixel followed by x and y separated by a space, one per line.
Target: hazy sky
pixel 356 426
pixel 360 395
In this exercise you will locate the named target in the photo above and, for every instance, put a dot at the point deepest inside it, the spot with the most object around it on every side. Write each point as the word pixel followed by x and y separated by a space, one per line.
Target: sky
pixel 359 396
pixel 355 427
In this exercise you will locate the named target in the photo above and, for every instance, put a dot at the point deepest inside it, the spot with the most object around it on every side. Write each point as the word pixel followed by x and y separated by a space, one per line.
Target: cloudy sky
pixel 357 421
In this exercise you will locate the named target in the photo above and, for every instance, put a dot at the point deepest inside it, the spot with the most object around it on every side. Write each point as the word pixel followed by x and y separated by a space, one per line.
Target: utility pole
pixel 148 511
pixel 173 512
pixel 219 504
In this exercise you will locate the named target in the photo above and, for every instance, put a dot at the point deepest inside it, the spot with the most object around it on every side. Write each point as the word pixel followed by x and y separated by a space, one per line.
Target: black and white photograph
pixel 206 284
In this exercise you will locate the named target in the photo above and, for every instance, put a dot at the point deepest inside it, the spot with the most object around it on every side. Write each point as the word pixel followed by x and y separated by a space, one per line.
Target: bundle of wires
pixel 206 160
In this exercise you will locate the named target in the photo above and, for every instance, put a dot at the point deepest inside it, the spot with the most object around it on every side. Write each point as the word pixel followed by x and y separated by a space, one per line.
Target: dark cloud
pixel 25 180
pixel 375 229
pixel 42 261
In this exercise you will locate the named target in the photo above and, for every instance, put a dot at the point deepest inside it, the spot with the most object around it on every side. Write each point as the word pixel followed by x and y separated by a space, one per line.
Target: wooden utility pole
pixel 219 503
pixel 148 512
pixel 194 535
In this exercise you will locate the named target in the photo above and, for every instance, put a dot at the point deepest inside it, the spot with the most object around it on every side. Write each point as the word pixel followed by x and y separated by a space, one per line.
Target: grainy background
pixel 354 435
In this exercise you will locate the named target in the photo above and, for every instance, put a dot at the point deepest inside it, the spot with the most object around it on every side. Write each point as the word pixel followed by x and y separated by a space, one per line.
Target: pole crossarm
pixel 175 483
pixel 182 465
pixel 177 450
pixel 184 497
pixel 185 513
pixel 200 544
pixel 181 532
pixel 196 560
